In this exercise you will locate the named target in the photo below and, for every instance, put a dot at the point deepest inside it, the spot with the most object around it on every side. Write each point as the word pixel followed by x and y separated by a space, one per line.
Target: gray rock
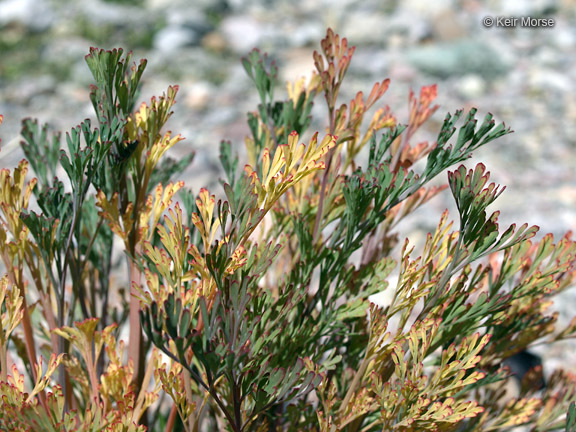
pixel 546 80
pixel 365 27
pixel 101 12
pixel 564 37
pixel 425 7
pixel 199 5
pixel 189 18
pixel 171 39
pixel 36 15
pixel 523 7
pixel 459 57
pixel 191 63
pixel 244 33
pixel 304 33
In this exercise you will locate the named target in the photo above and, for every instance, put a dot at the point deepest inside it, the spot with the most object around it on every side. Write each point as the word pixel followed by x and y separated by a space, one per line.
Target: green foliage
pixel 253 312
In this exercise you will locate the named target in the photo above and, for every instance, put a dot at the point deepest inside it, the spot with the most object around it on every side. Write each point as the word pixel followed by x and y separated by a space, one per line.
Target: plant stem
pixel 356 380
pixel 135 350
pixel 171 419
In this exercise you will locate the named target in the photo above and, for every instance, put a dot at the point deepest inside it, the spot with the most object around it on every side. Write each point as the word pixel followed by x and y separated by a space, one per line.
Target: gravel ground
pixel 524 75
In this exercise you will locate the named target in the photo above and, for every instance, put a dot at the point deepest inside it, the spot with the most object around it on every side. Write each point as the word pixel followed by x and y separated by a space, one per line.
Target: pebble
pixel 243 33
pixel 170 39
pixel 446 59
pixel 37 15
pixel 364 28
pixel 472 86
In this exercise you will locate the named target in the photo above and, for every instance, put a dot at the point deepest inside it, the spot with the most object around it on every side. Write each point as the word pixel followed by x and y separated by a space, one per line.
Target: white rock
pixel 198 94
pixel 364 28
pixel 546 79
pixel 304 34
pixel 564 37
pixel 35 14
pixel 472 86
pixel 162 5
pixel 243 32
pixel 426 6
pixel 100 12
pixel 170 39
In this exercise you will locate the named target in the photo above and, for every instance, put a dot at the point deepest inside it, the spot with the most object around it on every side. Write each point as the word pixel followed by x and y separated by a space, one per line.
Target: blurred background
pixel 524 76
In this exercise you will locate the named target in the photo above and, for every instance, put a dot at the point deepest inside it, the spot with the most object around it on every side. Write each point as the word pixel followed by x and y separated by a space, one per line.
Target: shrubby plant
pixel 252 312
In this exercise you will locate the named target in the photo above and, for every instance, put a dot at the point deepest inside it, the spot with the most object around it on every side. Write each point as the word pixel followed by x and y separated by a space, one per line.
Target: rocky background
pixel 524 76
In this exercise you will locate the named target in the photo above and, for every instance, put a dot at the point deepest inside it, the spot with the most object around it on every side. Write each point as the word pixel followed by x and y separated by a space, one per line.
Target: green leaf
pixel 165 171
pixel 229 164
pixel 469 139
pixel 117 82
pixel 41 151
pixel 571 418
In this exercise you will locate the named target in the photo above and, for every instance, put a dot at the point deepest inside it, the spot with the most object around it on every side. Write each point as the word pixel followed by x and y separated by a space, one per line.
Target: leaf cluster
pixel 255 312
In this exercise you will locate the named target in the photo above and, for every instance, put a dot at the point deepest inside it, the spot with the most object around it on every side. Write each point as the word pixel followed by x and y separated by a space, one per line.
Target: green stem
pixel 237 404
pixel 3 358
pixel 61 303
